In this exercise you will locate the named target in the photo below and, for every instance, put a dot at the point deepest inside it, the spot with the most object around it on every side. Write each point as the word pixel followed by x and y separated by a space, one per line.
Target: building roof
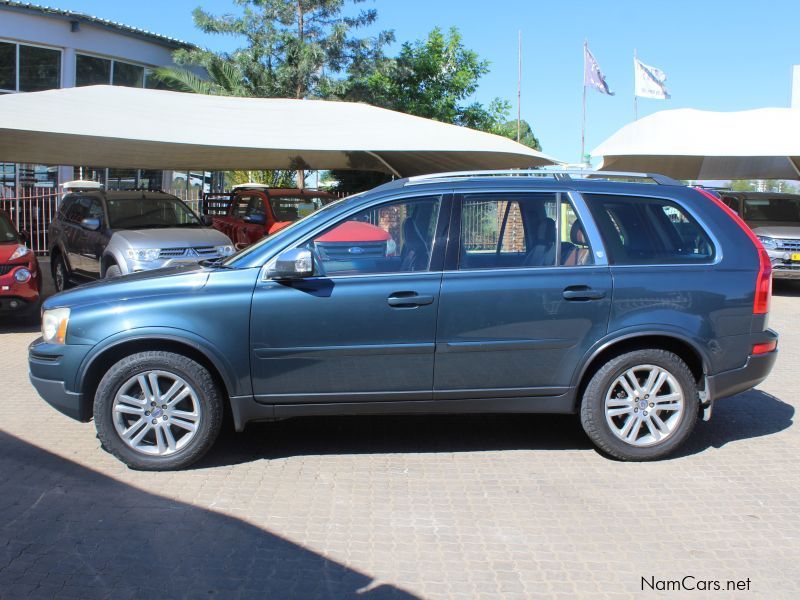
pixel 69 15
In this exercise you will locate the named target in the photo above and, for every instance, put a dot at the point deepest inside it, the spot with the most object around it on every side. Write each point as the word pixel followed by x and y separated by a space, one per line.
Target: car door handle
pixel 582 292
pixel 408 300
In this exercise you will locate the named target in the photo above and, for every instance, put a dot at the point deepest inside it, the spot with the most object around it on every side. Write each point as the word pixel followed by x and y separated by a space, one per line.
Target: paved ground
pixel 435 507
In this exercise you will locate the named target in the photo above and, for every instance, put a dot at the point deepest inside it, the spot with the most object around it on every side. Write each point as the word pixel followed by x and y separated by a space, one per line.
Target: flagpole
pixel 519 83
pixel 583 124
pixel 635 99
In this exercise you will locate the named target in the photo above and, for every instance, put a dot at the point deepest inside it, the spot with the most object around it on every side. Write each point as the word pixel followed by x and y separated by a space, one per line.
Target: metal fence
pixel 34 208
pixel 31 212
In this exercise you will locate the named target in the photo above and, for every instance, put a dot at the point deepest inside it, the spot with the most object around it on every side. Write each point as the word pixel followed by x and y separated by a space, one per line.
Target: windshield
pixel 7 232
pixel 137 212
pixel 785 210
pixel 293 208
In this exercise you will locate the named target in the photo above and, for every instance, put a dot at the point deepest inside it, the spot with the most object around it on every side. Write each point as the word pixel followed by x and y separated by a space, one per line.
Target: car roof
pixel 122 194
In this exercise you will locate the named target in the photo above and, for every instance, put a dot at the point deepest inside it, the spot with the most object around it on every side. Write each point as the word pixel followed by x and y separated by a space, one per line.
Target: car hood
pixel 776 230
pixel 7 249
pixel 162 282
pixel 174 237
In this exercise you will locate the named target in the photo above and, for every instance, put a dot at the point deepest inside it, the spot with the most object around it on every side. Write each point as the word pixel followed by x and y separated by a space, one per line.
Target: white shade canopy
pixel 105 126
pixel 697 144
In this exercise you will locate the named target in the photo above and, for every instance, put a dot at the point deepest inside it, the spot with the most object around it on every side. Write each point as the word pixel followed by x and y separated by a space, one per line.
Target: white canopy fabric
pixel 696 144
pixel 105 126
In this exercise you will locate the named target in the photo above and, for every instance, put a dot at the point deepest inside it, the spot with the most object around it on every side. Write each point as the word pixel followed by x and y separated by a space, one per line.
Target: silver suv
pixel 104 234
pixel 775 219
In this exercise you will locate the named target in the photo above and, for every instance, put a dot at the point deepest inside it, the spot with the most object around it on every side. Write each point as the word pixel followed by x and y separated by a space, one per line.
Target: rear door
pixel 524 295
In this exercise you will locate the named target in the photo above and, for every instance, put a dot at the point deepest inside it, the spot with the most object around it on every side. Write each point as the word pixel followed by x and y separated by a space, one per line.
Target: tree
pixel 430 78
pixel 527 137
pixel 293 49
pixel 763 185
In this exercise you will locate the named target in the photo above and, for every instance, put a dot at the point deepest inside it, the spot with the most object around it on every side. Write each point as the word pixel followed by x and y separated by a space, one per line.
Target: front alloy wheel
pixel 158 411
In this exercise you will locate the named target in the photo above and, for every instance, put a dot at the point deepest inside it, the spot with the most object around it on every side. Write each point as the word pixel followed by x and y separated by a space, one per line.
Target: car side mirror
pixel 206 220
pixel 25 236
pixel 256 219
pixel 296 263
pixel 91 223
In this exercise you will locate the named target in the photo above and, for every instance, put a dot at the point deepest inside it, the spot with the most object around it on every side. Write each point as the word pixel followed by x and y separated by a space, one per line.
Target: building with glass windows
pixel 43 48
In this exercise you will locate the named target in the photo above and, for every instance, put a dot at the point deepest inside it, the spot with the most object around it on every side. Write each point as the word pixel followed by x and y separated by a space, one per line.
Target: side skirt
pixel 246 410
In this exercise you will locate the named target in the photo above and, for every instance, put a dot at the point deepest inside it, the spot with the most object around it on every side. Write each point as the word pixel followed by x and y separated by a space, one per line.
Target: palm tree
pixel 225 78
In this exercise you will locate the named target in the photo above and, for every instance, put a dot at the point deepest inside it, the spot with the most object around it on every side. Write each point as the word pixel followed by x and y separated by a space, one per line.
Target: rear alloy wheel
pixel 641 405
pixel 60 274
pixel 158 411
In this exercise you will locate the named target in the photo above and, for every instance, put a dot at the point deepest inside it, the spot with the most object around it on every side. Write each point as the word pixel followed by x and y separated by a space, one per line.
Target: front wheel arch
pixel 110 355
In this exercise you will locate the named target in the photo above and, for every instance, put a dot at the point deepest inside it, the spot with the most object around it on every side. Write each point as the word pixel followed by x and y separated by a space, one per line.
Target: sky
pixel 718 55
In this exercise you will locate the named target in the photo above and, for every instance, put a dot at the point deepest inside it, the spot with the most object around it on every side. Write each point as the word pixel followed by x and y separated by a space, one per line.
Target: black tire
pixel 199 379
pixel 60 274
pixel 113 271
pixel 593 415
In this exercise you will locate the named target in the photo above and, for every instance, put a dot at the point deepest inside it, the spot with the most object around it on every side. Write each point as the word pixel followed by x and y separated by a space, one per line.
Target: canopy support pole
pixel 385 164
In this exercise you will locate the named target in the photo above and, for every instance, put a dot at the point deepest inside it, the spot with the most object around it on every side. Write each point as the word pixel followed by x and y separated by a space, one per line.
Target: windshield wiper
pixel 217 263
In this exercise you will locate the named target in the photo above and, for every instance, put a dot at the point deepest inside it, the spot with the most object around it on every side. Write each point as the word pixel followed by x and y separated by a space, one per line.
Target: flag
pixel 649 81
pixel 592 75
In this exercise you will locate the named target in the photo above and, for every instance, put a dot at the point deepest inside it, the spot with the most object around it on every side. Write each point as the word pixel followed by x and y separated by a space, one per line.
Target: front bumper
pixel 786 271
pixel 56 395
pixel 53 370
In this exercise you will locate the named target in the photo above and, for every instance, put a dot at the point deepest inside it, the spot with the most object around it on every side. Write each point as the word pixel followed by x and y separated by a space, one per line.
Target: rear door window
pixel 647 231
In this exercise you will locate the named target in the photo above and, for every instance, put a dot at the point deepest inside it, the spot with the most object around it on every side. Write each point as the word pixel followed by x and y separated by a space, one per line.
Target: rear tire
pixel 158 411
pixel 641 405
pixel 60 274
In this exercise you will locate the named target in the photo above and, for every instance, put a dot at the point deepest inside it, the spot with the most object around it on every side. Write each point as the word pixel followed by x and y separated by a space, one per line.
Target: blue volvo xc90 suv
pixel 633 301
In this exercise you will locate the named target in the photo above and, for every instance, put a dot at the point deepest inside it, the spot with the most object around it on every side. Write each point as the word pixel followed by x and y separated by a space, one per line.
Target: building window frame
pixel 114 59
pixel 17 44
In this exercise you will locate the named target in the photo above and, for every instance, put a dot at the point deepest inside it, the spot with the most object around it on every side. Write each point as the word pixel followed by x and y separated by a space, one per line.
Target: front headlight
pixel 225 250
pixel 54 325
pixel 19 252
pixel 768 242
pixel 144 254
pixel 22 275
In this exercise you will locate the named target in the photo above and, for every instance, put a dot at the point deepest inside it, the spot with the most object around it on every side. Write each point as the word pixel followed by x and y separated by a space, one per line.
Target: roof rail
pixel 561 174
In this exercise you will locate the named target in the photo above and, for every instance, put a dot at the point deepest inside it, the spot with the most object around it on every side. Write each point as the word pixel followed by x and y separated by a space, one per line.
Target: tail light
pixel 764 278
pixel 765 347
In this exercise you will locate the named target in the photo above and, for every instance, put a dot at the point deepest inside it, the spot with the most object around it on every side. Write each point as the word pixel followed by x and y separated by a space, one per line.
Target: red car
pixel 253 211
pixel 20 276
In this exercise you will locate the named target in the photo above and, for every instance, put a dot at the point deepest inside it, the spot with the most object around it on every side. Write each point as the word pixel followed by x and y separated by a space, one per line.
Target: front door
pixel 363 328
pixel 523 300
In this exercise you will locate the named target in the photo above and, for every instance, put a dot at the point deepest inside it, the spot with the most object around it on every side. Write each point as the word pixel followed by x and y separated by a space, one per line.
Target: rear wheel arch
pixel 683 348
pixel 99 364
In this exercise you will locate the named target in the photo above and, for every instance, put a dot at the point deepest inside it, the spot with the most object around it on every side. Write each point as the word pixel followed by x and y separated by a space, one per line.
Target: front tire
pixel 158 411
pixel 641 405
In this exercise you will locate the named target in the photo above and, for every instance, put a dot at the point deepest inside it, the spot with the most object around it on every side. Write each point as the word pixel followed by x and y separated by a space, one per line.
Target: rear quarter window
pixel 649 231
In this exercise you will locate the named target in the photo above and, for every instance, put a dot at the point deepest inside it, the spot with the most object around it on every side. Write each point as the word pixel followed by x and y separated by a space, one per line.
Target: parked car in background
pixel 104 234
pixel 252 211
pixel 775 219
pixel 637 306
pixel 20 276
